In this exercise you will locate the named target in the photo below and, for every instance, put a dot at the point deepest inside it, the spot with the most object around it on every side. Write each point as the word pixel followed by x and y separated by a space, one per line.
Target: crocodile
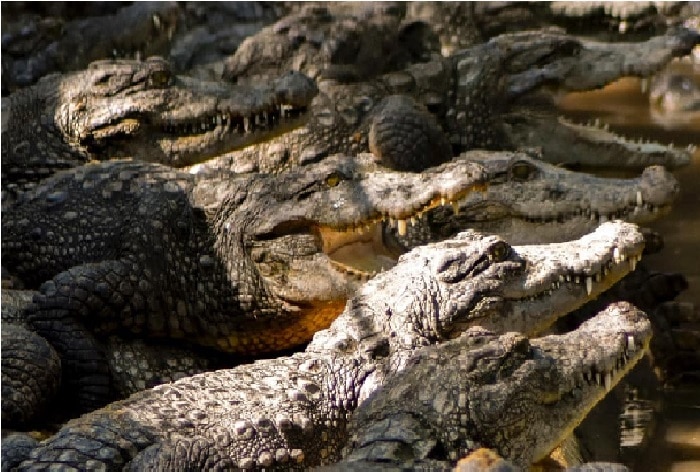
pixel 244 264
pixel 522 409
pixel 34 46
pixel 140 110
pixel 470 93
pixel 529 201
pixel 293 412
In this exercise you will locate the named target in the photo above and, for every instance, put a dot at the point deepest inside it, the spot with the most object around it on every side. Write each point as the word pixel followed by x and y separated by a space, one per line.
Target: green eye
pixel 333 179
pixel 521 171
pixel 499 251
pixel 160 78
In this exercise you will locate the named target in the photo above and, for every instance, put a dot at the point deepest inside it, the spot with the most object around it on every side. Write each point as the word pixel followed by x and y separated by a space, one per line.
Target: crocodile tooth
pixel 633 263
pixel 616 255
pixel 402 227
pixel 562 278
pixel 597 122
pixel 455 208
pixel 413 221
pixel 608 380
pixel 630 344
pixel 568 278
pixel 443 201
pixel 589 285
pixel 640 200
pixel 598 380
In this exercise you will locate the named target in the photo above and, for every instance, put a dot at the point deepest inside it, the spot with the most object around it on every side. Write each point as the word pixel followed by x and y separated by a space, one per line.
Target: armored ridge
pixel 139 109
pixel 244 264
pixel 529 202
pixel 293 412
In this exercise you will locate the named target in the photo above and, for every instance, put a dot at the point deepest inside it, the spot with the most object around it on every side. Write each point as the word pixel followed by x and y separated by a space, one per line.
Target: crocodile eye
pixel 102 80
pixel 333 179
pixel 522 171
pixel 499 252
pixel 160 78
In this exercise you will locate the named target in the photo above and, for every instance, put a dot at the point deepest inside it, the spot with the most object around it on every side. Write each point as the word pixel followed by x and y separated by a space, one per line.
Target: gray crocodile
pixel 524 405
pixel 244 264
pixel 141 110
pixel 293 412
pixel 34 46
pixel 470 93
pixel 532 202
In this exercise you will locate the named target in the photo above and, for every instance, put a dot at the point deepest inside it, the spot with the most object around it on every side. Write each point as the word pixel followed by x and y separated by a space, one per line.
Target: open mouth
pixel 364 249
pixel 233 122
pixel 213 133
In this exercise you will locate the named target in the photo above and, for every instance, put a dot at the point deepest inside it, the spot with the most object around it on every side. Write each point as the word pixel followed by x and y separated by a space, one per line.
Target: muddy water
pixel 626 108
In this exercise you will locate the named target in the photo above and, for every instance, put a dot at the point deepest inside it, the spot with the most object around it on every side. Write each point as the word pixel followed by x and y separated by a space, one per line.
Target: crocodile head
pixel 521 397
pixel 142 110
pixel 315 234
pixel 529 201
pixel 482 281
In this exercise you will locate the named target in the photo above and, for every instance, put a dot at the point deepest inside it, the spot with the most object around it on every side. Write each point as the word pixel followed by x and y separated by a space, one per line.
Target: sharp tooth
pixel 630 344
pixel 597 378
pixel 455 208
pixel 402 227
pixel 562 278
pixel 640 200
pixel 589 285
pixel 616 255
pixel 413 221
pixel 633 263
pixel 443 202
pixel 608 380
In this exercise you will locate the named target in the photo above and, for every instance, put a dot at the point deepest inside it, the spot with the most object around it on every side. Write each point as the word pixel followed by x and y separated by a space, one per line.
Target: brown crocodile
pixel 294 412
pixel 245 264
pixel 141 110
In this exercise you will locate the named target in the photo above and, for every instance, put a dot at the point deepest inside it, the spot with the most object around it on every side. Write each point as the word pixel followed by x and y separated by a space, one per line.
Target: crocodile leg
pixel 62 313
